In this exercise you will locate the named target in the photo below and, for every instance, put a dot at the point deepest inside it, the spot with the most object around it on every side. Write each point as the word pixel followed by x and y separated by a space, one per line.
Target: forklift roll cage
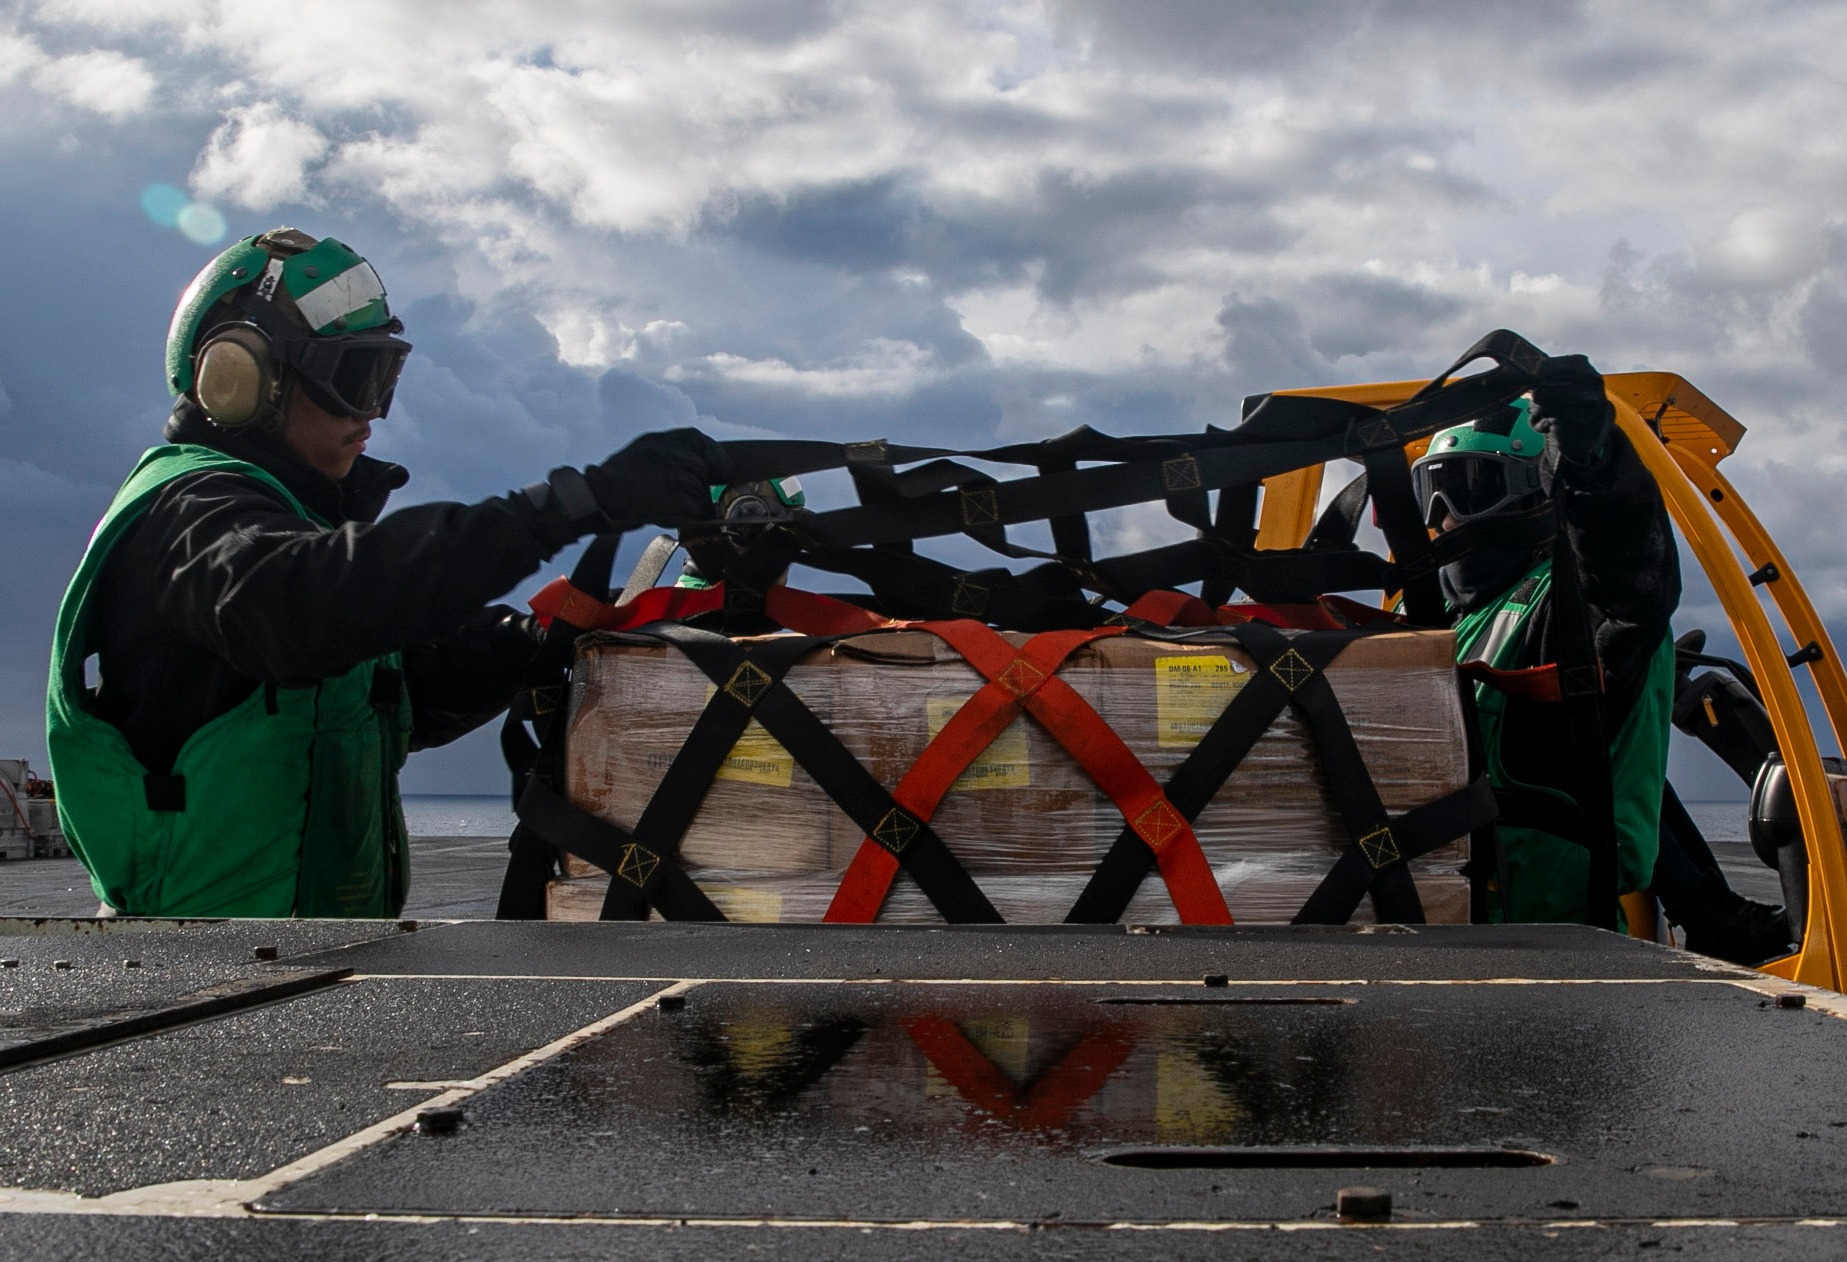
pixel 1682 436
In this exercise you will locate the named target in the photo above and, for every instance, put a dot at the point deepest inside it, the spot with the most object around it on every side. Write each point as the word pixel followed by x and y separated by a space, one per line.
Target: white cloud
pixel 1768 246
pixel 19 55
pixel 259 158
pixel 586 339
pixel 879 367
pixel 103 81
pixel 1082 191
pixel 117 15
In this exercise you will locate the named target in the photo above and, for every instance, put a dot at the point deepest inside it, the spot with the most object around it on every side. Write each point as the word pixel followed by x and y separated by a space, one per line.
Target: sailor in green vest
pixel 1561 444
pixel 249 650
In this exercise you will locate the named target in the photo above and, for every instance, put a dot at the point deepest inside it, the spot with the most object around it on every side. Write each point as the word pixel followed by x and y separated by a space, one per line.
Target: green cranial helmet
pixel 1487 465
pixel 278 302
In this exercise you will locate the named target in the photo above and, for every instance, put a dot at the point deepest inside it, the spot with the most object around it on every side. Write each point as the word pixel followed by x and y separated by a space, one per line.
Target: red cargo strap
pixel 806 612
pixel 1326 613
pixel 559 599
pixel 1028 680
pixel 1536 683
pixel 1049 1101
pixel 1169 609
pixel 972 728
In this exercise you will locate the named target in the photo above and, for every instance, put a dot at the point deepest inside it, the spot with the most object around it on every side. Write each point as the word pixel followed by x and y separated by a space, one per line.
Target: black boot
pixel 1721 923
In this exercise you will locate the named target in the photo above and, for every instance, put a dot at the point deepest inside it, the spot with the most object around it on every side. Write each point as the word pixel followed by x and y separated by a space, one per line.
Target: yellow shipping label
pixel 1004 764
pixel 743 904
pixel 757 758
pixel 1190 693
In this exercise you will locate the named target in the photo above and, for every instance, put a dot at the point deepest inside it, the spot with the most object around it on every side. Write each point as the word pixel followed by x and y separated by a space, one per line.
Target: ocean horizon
pixel 491 815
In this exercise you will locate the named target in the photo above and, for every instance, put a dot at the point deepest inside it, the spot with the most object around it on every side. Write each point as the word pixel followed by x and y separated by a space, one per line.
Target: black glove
pixel 1569 404
pixel 665 478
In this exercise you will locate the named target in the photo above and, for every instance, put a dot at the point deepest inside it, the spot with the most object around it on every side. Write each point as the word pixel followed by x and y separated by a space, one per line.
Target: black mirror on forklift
pixel 1776 834
pixel 1721 710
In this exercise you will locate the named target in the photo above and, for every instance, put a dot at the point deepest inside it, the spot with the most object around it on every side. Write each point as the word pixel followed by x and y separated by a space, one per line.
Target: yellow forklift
pixel 1682 437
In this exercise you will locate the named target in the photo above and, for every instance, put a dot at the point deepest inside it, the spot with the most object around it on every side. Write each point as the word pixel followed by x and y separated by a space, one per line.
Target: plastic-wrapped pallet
pixel 1024 819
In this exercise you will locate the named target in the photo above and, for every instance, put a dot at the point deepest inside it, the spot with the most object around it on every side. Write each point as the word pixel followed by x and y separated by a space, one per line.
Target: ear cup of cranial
pixel 235 375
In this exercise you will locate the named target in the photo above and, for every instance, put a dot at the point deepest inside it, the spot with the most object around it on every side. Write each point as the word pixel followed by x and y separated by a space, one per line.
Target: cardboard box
pixel 632 705
pixel 1023 806
pixel 1025 819
pixel 1399 695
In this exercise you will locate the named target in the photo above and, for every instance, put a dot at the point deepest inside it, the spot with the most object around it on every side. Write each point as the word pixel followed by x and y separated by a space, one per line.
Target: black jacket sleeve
pixel 286 601
pixel 463 680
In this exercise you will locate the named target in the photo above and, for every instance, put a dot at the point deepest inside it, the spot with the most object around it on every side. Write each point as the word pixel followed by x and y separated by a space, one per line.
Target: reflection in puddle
pixel 759 1066
pixel 1051 1070
pixel 925 1070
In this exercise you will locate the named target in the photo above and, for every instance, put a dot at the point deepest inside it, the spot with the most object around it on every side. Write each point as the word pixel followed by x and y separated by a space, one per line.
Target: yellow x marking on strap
pixel 980 507
pixel 1380 847
pixel 896 831
pixel 1021 678
pixel 748 683
pixel 1293 669
pixel 637 864
pixel 1158 825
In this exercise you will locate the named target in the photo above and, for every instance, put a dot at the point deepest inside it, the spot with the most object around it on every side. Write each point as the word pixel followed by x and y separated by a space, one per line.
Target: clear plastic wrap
pixel 1024 819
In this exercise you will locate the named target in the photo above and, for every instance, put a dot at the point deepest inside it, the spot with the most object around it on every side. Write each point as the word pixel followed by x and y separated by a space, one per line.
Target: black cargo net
pixel 911 494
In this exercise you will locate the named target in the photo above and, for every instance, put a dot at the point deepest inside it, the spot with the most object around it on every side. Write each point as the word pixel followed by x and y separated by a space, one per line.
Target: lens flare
pixel 201 224
pixel 170 207
pixel 164 204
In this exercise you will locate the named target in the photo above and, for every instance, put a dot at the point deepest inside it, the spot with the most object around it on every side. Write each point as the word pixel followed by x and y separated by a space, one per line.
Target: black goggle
pixel 1471 485
pixel 354 373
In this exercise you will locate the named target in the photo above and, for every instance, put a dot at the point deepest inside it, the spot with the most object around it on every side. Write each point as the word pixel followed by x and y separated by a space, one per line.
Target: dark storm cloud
pixel 1354 313
pixel 1098 233
pixel 1685 318
pixel 861 225
pixel 746 21
pixel 1824 320
pixel 1090 236
pixel 1258 37
pixel 90 285
pixel 1266 340
pixel 1682 305
pixel 1114 117
pixel 1086 236
pixel 1597 67
pixel 483 405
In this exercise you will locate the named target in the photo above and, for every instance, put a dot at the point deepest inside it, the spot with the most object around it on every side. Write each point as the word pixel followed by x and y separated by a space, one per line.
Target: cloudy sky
pixel 936 222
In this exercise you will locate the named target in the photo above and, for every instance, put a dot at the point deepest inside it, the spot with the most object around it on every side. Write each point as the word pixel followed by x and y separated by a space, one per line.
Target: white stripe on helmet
pixel 340 295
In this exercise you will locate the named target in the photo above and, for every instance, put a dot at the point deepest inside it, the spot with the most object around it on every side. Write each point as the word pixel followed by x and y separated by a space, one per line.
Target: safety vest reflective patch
pixel 287 804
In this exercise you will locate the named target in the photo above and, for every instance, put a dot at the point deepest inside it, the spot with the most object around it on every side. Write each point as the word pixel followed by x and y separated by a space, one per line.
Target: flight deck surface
pixel 597 1089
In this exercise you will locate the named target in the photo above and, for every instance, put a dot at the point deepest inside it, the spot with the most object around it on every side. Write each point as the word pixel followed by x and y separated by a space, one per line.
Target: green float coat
pixel 291 799
pixel 1546 874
